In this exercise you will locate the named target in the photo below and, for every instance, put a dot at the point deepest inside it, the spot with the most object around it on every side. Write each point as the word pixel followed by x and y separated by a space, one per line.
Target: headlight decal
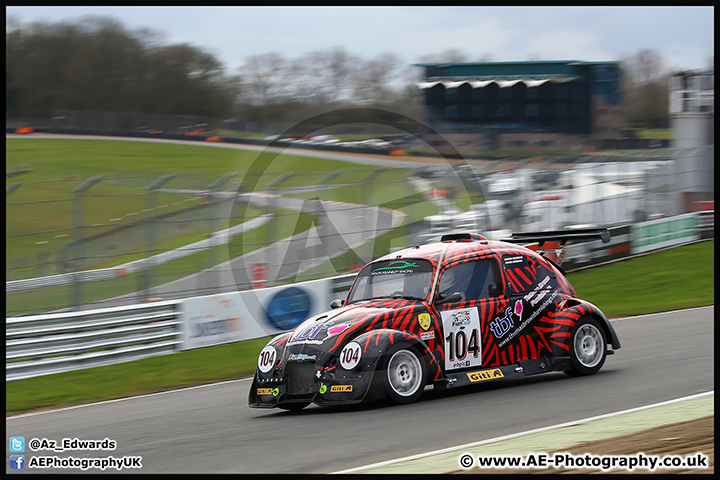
pixel 266 359
pixel 350 355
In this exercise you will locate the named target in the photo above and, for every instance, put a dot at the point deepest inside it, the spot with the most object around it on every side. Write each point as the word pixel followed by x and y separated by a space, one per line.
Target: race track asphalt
pixel 210 429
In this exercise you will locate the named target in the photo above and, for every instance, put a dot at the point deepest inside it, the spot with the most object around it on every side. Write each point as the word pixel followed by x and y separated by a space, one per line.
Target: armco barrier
pixel 44 344
pixel 219 238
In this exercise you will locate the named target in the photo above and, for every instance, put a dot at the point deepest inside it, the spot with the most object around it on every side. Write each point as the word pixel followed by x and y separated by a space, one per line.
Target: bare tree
pixel 646 89
pixel 376 80
pixel 325 76
pixel 645 66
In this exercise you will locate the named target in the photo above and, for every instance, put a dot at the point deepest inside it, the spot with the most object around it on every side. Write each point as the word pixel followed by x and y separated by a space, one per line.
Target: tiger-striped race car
pixel 449 314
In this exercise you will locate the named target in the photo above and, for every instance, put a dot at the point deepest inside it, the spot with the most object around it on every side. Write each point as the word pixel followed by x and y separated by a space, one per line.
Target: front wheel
pixel 588 347
pixel 404 375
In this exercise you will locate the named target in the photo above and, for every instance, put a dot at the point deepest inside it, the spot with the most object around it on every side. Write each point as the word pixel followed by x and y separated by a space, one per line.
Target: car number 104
pixel 350 355
pixel 459 344
pixel 266 360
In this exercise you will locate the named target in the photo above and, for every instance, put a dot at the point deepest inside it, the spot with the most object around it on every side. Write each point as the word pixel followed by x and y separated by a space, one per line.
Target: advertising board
pixel 231 317
pixel 665 232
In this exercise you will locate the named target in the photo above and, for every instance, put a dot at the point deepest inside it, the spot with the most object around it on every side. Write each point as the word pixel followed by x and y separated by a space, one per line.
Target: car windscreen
pixel 409 279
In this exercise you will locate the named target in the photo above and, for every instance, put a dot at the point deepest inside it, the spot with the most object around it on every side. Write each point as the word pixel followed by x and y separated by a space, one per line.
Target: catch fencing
pixel 80 243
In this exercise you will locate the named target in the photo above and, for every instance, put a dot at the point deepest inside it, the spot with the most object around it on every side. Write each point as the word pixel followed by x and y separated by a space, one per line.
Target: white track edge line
pixel 520 434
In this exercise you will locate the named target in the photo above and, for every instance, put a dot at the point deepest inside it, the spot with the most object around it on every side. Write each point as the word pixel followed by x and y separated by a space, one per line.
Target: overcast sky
pixel 684 36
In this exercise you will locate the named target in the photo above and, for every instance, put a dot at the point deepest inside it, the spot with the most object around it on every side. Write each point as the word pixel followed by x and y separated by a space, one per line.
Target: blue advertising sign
pixel 289 308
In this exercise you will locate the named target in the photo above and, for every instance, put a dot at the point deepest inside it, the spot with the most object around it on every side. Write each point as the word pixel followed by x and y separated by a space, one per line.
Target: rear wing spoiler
pixel 561 236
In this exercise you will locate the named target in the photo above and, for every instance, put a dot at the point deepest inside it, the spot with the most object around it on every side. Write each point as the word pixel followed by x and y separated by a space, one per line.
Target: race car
pixel 449 314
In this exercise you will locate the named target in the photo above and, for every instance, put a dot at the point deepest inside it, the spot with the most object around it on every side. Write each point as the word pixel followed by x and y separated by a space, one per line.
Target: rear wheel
pixel 404 375
pixel 588 347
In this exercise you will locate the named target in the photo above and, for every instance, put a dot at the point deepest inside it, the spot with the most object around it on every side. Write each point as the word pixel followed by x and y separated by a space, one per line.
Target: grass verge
pixel 681 277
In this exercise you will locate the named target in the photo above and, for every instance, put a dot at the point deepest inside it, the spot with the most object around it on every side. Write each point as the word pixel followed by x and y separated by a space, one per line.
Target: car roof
pixel 455 250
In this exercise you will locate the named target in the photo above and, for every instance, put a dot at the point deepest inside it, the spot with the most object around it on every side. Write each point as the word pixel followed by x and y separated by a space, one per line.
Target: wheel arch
pixel 586 309
pixel 377 342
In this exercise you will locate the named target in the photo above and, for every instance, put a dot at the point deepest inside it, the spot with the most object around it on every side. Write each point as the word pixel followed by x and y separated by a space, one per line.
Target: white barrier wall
pixel 231 317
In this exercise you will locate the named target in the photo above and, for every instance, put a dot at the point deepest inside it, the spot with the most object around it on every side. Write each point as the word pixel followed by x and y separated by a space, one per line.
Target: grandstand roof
pixel 528 72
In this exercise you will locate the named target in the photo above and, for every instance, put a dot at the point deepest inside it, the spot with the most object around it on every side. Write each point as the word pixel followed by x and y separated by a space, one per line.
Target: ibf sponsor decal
pixel 461 328
pixel 501 325
pixel 314 332
pixel 484 375
pixel 340 388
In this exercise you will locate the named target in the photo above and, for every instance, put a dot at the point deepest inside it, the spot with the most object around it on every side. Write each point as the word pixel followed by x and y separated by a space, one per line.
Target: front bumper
pixel 299 383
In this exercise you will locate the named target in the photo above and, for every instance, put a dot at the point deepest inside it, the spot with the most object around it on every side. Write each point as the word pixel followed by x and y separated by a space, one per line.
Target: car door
pixel 524 330
pixel 465 320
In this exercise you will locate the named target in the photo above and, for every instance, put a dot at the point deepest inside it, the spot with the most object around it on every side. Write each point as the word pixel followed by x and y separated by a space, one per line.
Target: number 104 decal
pixel 462 338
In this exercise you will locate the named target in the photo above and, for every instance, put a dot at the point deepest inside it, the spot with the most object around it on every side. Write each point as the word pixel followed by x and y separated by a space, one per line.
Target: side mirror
pixel 493 290
pixel 452 298
pixel 337 303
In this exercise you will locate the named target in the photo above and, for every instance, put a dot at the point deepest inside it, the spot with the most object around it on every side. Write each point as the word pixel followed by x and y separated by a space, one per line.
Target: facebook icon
pixel 17 462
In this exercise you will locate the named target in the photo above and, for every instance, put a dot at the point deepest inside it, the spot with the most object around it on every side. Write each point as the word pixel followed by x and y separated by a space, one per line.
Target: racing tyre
pixel 588 347
pixel 403 375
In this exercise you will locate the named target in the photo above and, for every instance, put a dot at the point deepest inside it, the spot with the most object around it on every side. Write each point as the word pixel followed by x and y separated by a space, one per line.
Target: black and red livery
pixel 453 313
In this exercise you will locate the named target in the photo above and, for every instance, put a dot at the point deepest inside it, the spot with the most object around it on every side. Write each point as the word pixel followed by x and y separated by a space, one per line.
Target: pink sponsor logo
pixel 337 329
pixel 518 308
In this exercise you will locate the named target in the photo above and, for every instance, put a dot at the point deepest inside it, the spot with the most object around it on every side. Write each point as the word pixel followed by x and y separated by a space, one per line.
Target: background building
pixel 692 121
pixel 546 105
pixel 692 109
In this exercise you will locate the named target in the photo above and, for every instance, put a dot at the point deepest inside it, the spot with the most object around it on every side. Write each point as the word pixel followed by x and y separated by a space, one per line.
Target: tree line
pixel 95 63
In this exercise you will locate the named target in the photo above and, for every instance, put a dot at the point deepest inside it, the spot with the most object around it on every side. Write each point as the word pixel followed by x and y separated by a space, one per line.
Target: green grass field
pixel 42 211
pixel 681 277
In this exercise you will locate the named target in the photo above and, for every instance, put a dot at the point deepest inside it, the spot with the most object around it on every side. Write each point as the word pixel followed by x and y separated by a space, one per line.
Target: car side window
pixel 475 280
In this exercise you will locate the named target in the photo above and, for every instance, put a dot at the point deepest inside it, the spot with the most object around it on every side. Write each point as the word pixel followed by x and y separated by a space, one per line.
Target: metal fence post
pixel 150 205
pixel 273 229
pixel 214 212
pixel 78 229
